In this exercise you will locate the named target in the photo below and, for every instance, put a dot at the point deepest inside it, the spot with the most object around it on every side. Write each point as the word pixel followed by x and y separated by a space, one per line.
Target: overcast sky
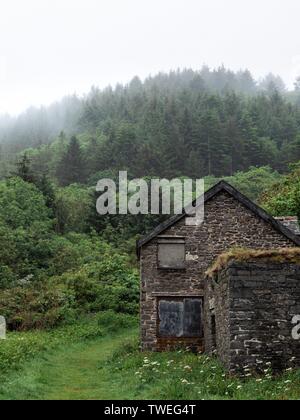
pixel 49 48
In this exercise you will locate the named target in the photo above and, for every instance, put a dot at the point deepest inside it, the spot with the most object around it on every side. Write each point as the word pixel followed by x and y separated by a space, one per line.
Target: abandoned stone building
pixel 255 301
pixel 177 307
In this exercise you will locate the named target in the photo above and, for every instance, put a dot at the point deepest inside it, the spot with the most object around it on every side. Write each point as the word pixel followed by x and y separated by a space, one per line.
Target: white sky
pixel 49 48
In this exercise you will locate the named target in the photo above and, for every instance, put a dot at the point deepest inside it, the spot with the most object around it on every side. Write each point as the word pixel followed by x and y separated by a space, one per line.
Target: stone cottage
pixel 255 303
pixel 175 309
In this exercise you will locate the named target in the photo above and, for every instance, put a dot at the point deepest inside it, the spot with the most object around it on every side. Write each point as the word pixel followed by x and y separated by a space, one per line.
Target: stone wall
pixel 227 224
pixel 255 303
pixel 219 307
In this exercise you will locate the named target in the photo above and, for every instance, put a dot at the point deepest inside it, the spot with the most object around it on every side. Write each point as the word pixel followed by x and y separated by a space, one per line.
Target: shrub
pixel 113 322
pixel 22 204
pixel 109 284
pixel 47 279
pixel 283 198
pixel 36 306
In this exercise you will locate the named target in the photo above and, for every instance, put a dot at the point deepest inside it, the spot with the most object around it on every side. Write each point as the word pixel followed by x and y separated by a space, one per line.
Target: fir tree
pixel 45 186
pixel 24 169
pixel 71 168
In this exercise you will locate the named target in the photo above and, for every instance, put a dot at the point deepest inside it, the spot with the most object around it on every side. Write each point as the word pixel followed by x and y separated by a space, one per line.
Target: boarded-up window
pixel 180 317
pixel 171 253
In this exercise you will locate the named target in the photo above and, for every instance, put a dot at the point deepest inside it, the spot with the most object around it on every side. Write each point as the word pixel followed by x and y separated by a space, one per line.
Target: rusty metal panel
pixel 172 344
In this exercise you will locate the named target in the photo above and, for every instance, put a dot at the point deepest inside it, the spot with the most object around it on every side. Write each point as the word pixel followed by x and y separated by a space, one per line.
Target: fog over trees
pixel 182 123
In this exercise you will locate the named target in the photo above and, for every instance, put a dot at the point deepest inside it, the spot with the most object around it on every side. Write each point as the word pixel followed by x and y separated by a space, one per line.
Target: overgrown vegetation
pixel 278 255
pixel 185 376
pixel 104 358
pixel 59 259
pixel 20 347
pixel 283 198
pixel 47 278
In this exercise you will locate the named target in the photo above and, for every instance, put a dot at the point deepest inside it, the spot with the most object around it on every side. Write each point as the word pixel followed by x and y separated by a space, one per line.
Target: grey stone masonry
pixel 255 303
pixel 228 224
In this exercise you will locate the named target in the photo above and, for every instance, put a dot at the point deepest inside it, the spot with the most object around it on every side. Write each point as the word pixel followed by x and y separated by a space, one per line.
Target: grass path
pixel 111 368
pixel 72 373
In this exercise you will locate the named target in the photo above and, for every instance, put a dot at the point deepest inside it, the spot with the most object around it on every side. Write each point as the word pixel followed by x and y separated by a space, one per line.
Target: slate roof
pixel 208 195
pixel 291 222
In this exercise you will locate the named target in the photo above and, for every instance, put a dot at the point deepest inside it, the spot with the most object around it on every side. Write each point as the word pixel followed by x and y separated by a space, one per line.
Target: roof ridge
pixel 208 195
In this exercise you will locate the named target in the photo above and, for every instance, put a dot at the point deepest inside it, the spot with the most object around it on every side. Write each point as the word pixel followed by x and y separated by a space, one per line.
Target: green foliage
pixel 36 306
pixel 46 278
pixel 114 322
pixel 20 347
pixel 182 132
pixel 185 376
pixel 283 198
pixel 184 123
pixel 71 168
pixel 107 284
pixel 72 206
pixel 251 183
pixel 17 349
pixel 24 169
pixel 115 368
pixel 88 287
pixel 22 205
pixel 46 187
pixel 25 227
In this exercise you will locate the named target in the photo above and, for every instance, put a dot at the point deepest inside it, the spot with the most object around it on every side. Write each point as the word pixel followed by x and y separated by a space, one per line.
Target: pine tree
pixel 45 186
pixel 24 169
pixel 211 142
pixel 71 169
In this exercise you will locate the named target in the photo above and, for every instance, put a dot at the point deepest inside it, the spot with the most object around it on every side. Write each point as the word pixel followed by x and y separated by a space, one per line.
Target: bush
pixel 47 279
pixel 109 284
pixel 22 204
pixel 283 199
pixel 113 322
pixel 36 306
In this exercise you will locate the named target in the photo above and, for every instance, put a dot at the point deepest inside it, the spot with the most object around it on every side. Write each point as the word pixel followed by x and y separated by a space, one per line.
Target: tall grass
pixel 185 376
pixel 20 347
pixel 130 374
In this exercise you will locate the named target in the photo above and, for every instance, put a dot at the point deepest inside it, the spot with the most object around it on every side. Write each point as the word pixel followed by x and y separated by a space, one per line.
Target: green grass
pixel 185 376
pixel 68 373
pixel 85 363
pixel 20 347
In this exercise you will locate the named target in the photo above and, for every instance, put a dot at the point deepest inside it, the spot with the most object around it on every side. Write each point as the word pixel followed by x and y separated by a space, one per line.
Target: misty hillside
pixel 184 123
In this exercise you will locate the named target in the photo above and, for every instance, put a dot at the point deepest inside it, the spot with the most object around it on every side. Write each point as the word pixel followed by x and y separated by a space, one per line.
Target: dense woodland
pixel 185 123
pixel 60 259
